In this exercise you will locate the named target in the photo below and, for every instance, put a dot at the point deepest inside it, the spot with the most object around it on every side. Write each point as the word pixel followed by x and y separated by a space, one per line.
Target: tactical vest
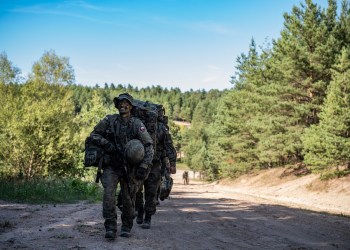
pixel 119 133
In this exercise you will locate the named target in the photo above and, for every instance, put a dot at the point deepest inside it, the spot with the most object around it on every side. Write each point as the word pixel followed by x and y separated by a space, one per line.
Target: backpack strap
pixel 132 127
pixel 113 126
pixel 115 129
pixel 111 120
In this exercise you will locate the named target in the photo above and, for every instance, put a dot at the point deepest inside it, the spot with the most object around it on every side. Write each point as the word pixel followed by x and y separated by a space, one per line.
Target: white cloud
pixel 67 9
pixel 88 6
pixel 207 26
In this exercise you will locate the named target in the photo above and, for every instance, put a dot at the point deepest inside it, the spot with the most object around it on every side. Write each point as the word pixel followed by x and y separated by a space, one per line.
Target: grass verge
pixel 49 190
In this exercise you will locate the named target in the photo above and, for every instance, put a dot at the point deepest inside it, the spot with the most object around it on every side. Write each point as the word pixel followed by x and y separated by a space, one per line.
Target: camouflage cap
pixel 123 96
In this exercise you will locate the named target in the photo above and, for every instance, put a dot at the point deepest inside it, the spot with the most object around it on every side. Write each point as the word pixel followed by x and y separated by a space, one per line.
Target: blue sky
pixel 190 44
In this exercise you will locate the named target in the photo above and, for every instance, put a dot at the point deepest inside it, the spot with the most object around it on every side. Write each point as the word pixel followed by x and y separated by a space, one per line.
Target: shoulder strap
pixel 133 127
pixel 112 119
pixel 115 129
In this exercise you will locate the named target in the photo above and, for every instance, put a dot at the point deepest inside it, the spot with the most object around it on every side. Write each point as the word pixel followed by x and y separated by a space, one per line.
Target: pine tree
pixel 197 150
pixel 304 55
pixel 328 144
pixel 342 27
pixel 299 73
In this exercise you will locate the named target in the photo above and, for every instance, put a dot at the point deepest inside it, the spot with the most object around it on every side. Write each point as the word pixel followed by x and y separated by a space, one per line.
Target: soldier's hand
pixel 141 172
pixel 110 149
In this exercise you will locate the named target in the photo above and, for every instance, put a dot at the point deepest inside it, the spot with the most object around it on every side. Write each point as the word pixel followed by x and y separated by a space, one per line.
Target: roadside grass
pixel 48 190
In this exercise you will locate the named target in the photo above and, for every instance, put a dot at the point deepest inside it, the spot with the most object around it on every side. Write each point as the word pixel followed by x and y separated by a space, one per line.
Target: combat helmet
pixel 134 152
pixel 123 96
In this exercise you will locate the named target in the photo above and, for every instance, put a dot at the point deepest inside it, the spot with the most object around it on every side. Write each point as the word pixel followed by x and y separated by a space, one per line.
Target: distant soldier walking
pixel 185 178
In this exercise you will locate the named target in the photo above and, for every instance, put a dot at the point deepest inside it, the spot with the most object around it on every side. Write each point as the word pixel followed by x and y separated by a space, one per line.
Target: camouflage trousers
pixel 129 187
pixel 110 180
pixel 151 185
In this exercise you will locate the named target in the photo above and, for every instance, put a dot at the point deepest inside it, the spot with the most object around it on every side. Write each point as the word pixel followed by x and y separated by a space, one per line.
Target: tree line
pixel 289 106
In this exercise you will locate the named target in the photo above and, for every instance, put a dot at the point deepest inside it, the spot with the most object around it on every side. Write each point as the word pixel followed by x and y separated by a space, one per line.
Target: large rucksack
pixel 150 114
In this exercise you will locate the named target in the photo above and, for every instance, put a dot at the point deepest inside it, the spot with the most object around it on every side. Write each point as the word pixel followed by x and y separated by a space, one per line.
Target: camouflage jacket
pixel 165 146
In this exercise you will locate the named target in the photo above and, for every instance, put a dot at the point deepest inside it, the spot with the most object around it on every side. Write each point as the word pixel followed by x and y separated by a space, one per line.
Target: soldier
pixel 185 177
pixel 113 134
pixel 152 183
pixel 168 165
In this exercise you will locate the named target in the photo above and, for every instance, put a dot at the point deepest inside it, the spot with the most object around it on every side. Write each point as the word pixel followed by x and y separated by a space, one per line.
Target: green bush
pixel 48 190
pixel 333 174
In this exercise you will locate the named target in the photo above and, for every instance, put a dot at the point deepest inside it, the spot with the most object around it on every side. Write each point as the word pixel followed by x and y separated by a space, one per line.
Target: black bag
pixel 165 187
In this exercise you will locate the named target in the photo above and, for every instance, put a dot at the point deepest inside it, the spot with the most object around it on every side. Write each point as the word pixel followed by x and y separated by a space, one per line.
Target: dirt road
pixel 197 216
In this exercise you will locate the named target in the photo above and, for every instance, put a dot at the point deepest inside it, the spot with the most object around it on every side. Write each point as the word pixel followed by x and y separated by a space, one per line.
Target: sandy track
pixel 198 216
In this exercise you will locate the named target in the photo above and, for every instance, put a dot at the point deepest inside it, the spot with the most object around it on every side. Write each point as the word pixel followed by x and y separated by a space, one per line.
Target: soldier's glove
pixel 173 167
pixel 110 149
pixel 141 172
pixel 90 158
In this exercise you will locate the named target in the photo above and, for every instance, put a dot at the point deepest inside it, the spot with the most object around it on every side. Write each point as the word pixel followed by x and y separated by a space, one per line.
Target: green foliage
pixel 327 144
pixel 182 166
pixel 176 135
pixel 53 69
pixel 8 72
pixel 38 129
pixel 48 190
pixel 333 174
pixel 196 140
pixel 303 57
pixel 279 92
pixel 40 133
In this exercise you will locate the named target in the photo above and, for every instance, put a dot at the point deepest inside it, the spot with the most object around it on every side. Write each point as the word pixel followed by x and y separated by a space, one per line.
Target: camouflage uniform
pixel 168 158
pixel 164 148
pixel 169 152
pixel 109 132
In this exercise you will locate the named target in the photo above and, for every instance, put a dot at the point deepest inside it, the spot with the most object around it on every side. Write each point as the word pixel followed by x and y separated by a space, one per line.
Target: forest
pixel 289 106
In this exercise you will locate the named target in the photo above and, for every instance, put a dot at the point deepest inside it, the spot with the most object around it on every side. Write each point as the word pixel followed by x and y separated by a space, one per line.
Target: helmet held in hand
pixel 134 152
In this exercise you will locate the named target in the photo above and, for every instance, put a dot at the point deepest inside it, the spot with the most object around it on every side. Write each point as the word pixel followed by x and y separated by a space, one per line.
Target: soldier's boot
pixel 125 232
pixel 147 222
pixel 139 218
pixel 111 228
pixel 111 234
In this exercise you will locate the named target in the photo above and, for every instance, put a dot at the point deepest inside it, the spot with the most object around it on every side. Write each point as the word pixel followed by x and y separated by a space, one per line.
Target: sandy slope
pixel 309 192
